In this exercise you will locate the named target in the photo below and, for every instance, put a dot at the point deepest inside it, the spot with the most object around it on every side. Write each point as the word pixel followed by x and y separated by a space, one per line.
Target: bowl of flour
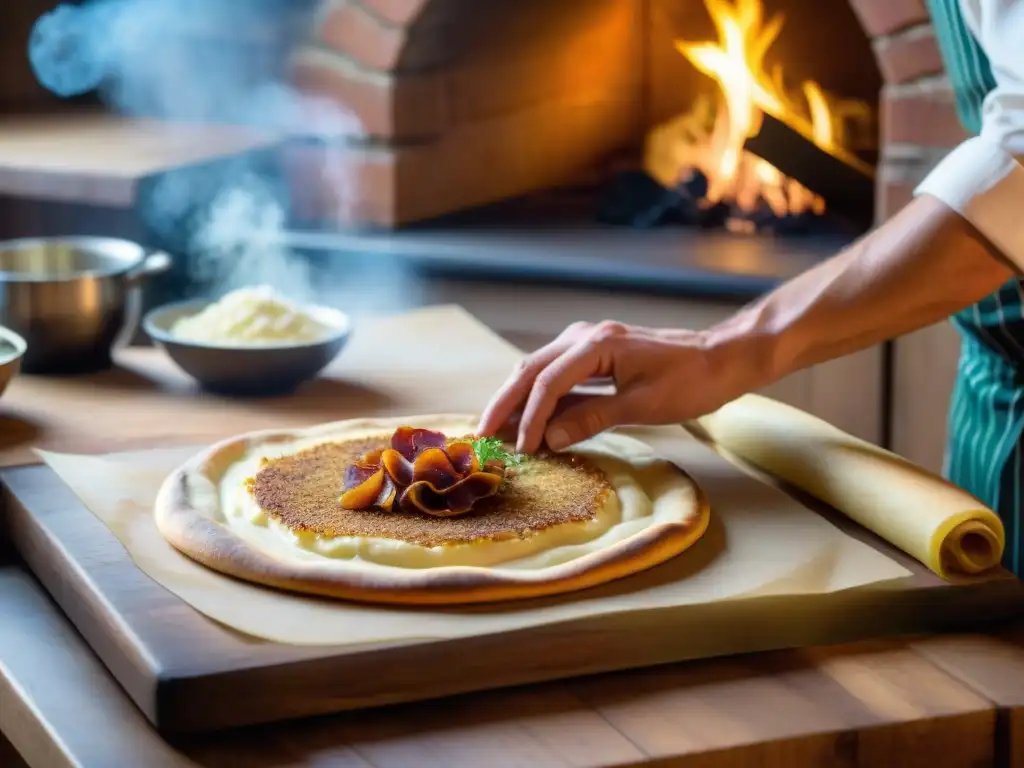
pixel 251 341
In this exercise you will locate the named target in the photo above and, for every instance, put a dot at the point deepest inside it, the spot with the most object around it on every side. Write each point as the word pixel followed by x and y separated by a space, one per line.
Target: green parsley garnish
pixel 493 449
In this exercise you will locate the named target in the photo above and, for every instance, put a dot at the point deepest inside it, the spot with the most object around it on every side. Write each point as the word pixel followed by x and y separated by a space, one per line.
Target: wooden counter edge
pixel 993 666
pixel 81 717
pixel 87 719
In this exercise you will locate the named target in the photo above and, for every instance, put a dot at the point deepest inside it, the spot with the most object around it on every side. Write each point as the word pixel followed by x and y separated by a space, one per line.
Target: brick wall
pixel 463 102
pixel 919 124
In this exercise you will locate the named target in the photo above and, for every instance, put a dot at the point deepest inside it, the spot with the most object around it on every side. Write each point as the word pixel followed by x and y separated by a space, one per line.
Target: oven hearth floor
pixel 556 241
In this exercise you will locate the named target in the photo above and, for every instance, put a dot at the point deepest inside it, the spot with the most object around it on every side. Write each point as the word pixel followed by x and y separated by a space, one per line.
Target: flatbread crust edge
pixel 188 521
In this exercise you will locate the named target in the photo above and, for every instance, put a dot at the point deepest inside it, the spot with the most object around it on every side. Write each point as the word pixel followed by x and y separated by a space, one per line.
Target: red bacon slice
pixel 424 473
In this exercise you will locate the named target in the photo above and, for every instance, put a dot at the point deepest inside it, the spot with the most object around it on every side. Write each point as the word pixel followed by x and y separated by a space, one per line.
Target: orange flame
pixel 711 138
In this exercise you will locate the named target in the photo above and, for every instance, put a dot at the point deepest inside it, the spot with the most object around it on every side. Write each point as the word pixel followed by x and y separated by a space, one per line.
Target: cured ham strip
pixel 362 495
pixel 411 441
pixel 424 473
pixel 463 458
pixel 457 499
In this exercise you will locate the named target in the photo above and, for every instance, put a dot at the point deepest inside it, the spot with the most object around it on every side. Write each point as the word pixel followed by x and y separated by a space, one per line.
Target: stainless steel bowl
pixel 12 349
pixel 73 299
pixel 248 371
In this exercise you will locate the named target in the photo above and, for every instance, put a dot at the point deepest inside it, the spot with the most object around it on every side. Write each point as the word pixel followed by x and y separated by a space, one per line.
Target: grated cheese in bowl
pixel 250 316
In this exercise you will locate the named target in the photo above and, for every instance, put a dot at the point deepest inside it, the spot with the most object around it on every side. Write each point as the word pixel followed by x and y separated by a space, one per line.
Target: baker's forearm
pixel 919 268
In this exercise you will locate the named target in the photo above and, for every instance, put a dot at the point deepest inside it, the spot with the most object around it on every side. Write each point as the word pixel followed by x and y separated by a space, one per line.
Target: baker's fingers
pixel 509 430
pixel 570 401
pixel 511 396
pixel 557 380
pixel 586 417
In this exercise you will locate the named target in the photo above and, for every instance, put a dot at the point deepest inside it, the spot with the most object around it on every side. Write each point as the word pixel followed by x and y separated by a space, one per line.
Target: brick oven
pixel 463 104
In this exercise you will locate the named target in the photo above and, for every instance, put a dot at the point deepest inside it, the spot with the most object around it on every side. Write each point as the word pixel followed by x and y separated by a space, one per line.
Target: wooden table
pixel 872 705
pixel 993 665
pixel 950 701
pixel 146 399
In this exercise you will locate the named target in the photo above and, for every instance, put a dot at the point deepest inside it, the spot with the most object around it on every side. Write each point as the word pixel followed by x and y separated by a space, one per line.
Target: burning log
pixel 773 155
pixel 637 200
pixel 846 184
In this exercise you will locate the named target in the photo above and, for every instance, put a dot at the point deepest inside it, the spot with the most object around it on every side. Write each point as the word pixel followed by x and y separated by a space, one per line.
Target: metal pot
pixel 12 348
pixel 73 299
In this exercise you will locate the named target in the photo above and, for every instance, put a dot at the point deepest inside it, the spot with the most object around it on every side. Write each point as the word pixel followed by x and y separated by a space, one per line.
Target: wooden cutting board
pixel 187 673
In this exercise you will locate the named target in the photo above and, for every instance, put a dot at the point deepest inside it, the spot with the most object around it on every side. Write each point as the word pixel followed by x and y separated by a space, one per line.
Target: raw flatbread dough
pixel 934 521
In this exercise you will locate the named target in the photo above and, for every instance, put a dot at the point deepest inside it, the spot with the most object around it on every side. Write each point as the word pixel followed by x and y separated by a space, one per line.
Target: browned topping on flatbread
pixel 301 491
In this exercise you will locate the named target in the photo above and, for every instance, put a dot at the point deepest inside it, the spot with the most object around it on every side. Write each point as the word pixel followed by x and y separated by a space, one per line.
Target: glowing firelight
pixel 710 138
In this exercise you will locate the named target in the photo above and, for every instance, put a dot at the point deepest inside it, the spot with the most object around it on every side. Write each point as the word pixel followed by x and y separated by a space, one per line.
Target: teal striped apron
pixel 986 420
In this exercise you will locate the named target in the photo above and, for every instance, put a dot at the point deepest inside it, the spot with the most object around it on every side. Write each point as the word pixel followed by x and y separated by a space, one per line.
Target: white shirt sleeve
pixel 983 178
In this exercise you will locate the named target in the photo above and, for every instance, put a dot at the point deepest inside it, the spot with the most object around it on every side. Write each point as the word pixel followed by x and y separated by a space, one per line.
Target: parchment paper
pixel 761 542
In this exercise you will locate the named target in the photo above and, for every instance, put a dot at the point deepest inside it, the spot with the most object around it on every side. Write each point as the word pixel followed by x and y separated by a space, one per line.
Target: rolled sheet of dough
pixel 943 526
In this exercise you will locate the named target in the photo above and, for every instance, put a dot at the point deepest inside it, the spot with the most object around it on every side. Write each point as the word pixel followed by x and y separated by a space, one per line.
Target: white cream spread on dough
pixel 639 499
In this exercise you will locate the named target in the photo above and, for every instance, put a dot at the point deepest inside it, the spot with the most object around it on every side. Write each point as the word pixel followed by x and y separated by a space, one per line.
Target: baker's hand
pixel 660 376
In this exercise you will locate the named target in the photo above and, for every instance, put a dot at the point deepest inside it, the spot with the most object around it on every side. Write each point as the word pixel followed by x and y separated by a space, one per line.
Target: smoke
pixel 205 61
